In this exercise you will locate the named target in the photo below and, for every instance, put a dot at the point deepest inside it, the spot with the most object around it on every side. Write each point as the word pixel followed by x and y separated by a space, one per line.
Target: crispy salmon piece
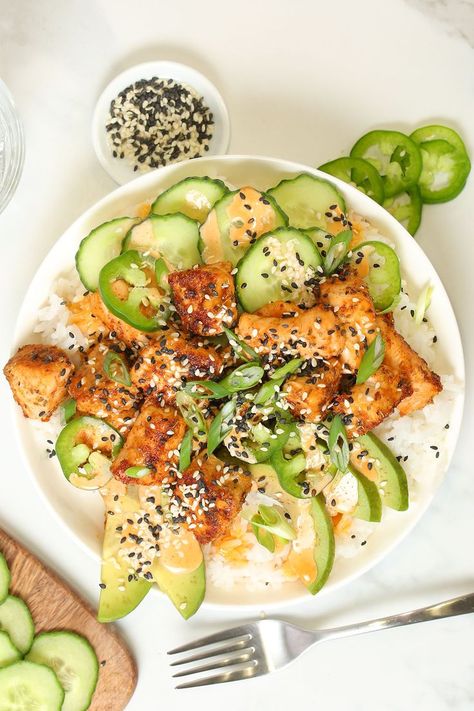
pixel 310 393
pixel 153 442
pixel 162 367
pixel 209 496
pixel 97 394
pixel 402 358
pixel 365 406
pixel 304 333
pixel 96 321
pixel 348 295
pixel 204 298
pixel 38 376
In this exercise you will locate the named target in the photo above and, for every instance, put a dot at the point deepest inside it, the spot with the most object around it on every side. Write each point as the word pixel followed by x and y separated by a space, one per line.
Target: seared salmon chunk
pixel 349 298
pixel 400 357
pixel 38 376
pixel 209 496
pixel 152 443
pixel 365 406
pixel 310 393
pixel 204 298
pixel 163 367
pixel 296 333
pixel 98 394
pixel 95 321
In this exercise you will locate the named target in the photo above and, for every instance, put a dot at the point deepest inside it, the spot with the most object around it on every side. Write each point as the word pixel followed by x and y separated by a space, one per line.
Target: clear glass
pixel 12 147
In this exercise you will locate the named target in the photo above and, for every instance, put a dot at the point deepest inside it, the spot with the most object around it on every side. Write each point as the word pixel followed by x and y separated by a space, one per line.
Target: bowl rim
pixel 120 172
pixel 152 179
pixel 15 169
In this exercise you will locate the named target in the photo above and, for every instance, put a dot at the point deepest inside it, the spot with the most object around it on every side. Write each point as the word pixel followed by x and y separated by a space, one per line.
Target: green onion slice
pixel 185 450
pixel 137 472
pixel 372 359
pixel 287 369
pixel 423 303
pixel 68 409
pixel 116 369
pixel 270 519
pixel 240 346
pixel 191 413
pixel 269 391
pixel 338 444
pixel 337 252
pixel 263 536
pixel 244 377
pixel 220 426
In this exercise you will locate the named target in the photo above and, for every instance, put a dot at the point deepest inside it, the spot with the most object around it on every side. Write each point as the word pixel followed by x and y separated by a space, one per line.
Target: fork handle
pixel 457 606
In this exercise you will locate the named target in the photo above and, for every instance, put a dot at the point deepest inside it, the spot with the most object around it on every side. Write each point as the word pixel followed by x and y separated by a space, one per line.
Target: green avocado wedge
pixel 386 470
pixel 369 505
pixel 185 590
pixel 118 595
pixel 324 546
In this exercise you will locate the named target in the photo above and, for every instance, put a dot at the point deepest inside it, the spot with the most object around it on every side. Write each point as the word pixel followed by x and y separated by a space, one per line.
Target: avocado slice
pixel 387 471
pixel 369 503
pixel 324 546
pixel 119 596
pixel 185 590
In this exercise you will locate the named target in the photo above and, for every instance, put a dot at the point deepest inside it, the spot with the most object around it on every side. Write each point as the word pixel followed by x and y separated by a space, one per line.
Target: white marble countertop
pixel 302 81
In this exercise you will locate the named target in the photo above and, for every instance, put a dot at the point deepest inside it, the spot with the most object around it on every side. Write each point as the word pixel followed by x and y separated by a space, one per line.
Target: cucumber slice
pixel 236 221
pixel 386 470
pixel 5 579
pixel 26 686
pixel 324 545
pixel 99 247
pixel 193 197
pixel 173 237
pixel 309 201
pixel 259 281
pixel 74 662
pixel 369 504
pixel 9 654
pixel 15 618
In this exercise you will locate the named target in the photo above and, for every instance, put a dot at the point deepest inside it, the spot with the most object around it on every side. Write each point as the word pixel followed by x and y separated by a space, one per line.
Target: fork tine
pixel 213 652
pixel 244 656
pixel 242 631
pixel 237 675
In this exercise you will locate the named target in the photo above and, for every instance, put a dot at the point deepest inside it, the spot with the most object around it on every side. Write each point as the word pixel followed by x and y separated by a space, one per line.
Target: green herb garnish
pixel 372 359
pixel 185 450
pixel 116 369
pixel 337 251
pixel 338 444
pixel 137 472
pixel 423 304
pixel 220 426
pixel 268 523
pixel 287 369
pixel 240 346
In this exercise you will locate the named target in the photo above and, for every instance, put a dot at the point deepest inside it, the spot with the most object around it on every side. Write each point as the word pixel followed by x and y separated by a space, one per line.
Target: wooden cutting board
pixel 55 606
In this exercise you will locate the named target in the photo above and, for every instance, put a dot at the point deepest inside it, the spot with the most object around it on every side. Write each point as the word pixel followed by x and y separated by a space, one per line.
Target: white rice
pixel 412 436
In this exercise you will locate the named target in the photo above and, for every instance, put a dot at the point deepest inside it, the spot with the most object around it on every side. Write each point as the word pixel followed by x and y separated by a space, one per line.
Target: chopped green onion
pixel 337 252
pixel 338 444
pixel 271 520
pixel 116 369
pixel 68 409
pixel 191 413
pixel 220 426
pixel 287 369
pixel 372 359
pixel 242 378
pixel 185 450
pixel 137 472
pixel 269 391
pixel 263 536
pixel 423 304
pixel 240 346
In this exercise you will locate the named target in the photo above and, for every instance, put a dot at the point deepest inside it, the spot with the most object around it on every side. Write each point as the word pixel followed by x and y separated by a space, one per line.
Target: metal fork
pixel 261 647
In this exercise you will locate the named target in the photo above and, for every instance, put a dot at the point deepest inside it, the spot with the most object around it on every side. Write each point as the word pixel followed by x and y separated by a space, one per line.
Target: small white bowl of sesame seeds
pixel 156 114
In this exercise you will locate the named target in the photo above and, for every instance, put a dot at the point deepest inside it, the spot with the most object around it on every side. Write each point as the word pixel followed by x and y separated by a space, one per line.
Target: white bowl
pixel 82 512
pixel 120 170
